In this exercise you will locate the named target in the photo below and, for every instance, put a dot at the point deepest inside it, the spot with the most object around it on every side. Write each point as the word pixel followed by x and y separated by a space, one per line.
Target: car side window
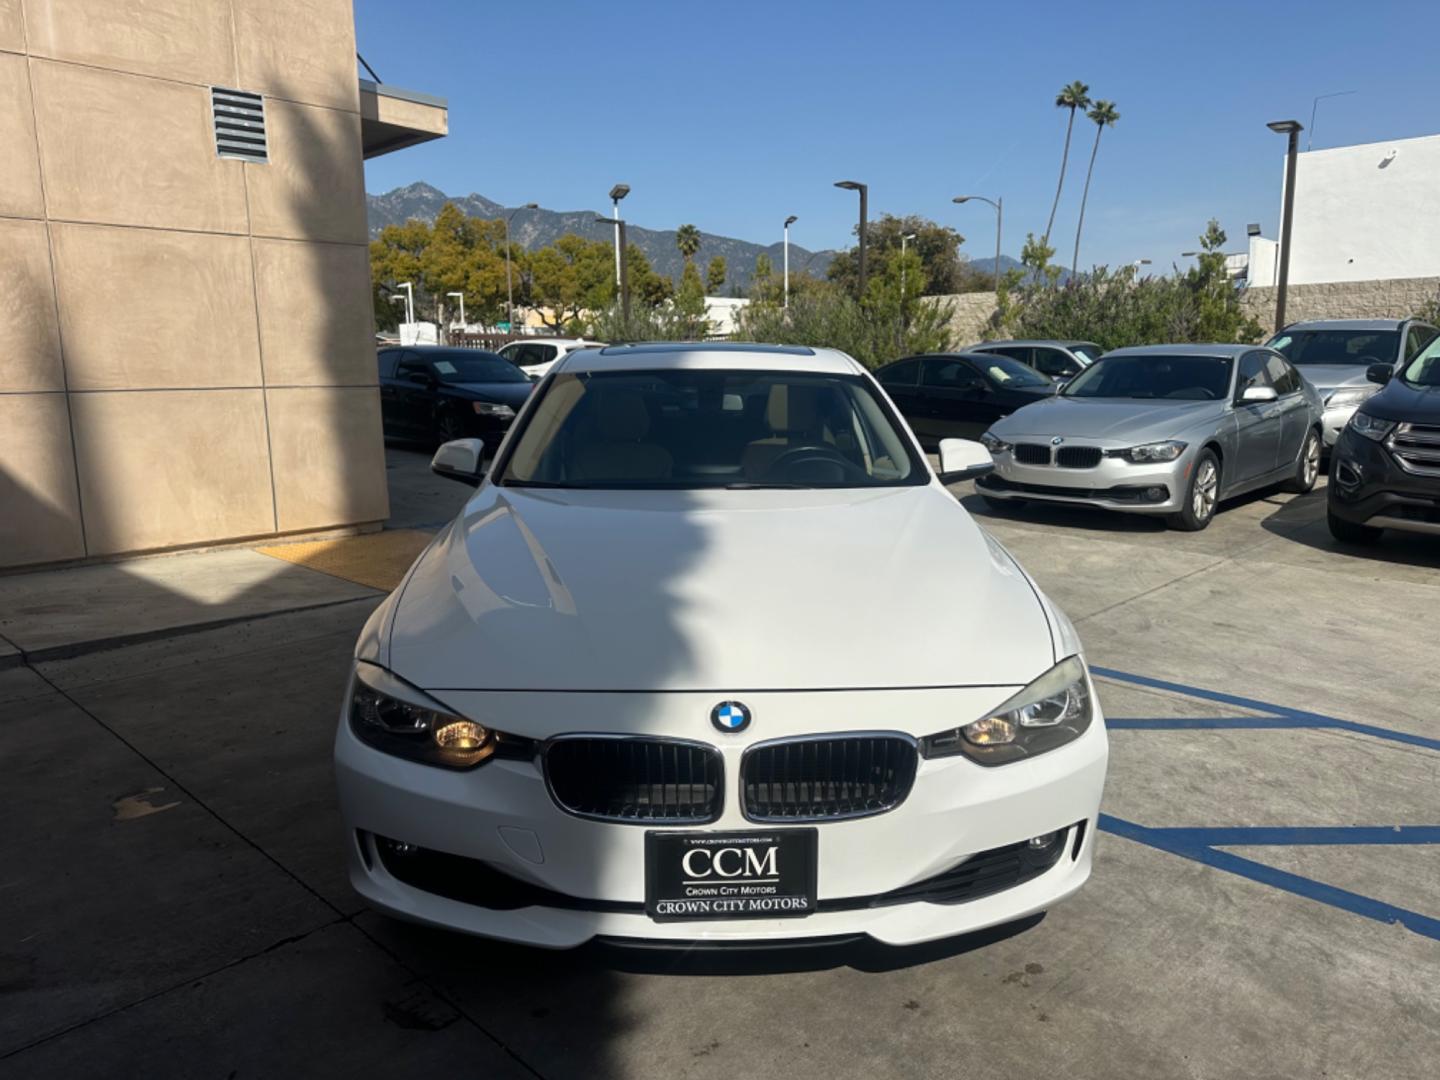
pixel 1054 363
pixel 905 373
pixel 947 374
pixel 1283 377
pixel 1252 372
pixel 542 354
pixel 388 359
pixel 1017 352
pixel 511 352
pixel 1417 339
pixel 411 362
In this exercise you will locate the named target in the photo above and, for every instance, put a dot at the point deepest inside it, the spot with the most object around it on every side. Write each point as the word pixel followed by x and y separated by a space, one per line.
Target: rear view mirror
pixel 1257 395
pixel 1379 373
pixel 460 460
pixel 962 459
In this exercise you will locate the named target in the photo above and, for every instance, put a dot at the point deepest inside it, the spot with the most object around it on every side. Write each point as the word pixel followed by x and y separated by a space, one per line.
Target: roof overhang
pixel 392 119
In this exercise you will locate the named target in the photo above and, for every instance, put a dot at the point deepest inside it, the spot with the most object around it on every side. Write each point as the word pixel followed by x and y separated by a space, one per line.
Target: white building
pixel 1362 213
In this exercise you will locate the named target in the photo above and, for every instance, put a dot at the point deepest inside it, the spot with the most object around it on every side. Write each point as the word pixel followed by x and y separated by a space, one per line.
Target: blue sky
pixel 732 116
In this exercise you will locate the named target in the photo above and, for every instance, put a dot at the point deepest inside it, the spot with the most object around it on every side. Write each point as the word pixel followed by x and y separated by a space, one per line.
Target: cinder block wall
pixel 1393 298
pixel 186 349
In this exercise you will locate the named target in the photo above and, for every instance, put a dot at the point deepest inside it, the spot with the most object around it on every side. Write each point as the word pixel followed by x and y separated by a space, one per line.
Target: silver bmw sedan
pixel 1162 429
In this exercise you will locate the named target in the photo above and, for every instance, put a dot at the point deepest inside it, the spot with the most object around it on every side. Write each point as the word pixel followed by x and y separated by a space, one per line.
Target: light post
pixel 409 300
pixel 1139 263
pixel 864 190
pixel 624 269
pixel 618 192
pixel 1291 128
pixel 509 293
pixel 999 205
pixel 464 326
pixel 788 222
pixel 904 239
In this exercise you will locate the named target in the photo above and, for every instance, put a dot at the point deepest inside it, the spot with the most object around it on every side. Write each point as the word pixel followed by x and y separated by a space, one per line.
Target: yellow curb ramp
pixel 378 560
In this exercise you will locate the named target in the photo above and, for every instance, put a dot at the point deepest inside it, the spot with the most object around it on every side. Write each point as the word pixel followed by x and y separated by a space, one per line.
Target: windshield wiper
pixel 544 484
pixel 747 485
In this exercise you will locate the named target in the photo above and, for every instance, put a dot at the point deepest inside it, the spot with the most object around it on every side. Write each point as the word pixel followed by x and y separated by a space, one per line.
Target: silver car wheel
pixel 1206 482
pixel 1312 459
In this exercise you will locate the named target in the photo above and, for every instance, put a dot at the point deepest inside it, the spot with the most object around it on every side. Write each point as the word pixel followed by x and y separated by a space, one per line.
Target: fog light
pixel 1155 494
pixel 400 847
pixel 1040 843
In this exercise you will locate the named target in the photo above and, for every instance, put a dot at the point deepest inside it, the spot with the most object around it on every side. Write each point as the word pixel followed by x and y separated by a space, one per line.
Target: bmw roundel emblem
pixel 1057 440
pixel 730 717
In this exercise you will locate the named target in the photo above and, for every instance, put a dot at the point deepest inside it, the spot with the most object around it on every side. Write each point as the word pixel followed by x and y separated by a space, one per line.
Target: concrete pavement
pixel 175 904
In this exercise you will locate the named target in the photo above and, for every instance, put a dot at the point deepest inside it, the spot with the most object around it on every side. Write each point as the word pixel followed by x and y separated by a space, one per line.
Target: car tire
pixel 1348 532
pixel 1307 469
pixel 1202 495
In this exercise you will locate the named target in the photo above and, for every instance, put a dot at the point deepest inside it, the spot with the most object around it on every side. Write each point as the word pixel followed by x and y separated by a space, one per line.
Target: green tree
pixel 647 288
pixel 715 275
pixel 1072 97
pixel 687 239
pixel 937 246
pixel 1103 115
pixel 570 277
pixel 690 296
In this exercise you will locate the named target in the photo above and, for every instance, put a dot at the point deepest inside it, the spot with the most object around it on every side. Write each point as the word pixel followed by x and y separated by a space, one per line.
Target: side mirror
pixel 1379 373
pixel 962 459
pixel 424 378
pixel 460 460
pixel 1257 395
pixel 974 383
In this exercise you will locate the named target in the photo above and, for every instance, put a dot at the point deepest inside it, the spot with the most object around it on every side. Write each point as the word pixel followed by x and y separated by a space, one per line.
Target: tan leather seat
pixel 794 415
pixel 619 453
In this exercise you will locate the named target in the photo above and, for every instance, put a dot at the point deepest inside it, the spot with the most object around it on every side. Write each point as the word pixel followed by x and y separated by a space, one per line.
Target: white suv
pixel 536 356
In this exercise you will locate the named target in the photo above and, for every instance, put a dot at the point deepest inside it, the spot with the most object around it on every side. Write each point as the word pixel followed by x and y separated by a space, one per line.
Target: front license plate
pixel 764 874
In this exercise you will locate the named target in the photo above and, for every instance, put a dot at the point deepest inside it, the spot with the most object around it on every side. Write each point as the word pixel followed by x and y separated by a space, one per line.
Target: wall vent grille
pixel 239 124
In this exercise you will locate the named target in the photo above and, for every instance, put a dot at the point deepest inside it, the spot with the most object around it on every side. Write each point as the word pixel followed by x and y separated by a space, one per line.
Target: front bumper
pixel 1368 487
pixel 502 815
pixel 1333 422
pixel 1114 484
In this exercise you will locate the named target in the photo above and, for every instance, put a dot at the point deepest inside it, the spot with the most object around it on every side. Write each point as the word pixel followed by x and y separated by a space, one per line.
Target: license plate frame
pixel 680 887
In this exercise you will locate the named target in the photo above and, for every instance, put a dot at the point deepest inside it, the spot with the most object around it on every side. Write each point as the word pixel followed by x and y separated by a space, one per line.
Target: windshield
pixel 711 429
pixel 1338 346
pixel 1180 378
pixel 1003 371
pixel 1424 370
pixel 475 367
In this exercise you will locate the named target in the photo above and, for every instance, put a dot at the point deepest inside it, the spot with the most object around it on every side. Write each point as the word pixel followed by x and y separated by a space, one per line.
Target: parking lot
pixel 1264 901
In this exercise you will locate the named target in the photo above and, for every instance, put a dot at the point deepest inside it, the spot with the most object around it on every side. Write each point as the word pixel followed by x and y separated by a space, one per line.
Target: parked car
pixel 634 689
pixel 1060 361
pixel 1334 355
pixel 1385 472
pixel 536 356
pixel 959 395
pixel 1162 429
pixel 433 394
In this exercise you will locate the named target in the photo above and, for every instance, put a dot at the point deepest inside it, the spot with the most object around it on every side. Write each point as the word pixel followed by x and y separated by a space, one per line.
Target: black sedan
pixel 1385 472
pixel 959 395
pixel 429 393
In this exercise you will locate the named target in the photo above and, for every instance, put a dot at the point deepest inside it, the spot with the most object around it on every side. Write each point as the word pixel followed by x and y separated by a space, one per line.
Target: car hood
pixel 1327 377
pixel 717 590
pixel 1407 403
pixel 1107 419
pixel 507 393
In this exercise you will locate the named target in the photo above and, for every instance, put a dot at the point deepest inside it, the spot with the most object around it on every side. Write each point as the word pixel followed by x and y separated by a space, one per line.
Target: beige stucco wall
pixel 1396 298
pixel 969 324
pixel 187 343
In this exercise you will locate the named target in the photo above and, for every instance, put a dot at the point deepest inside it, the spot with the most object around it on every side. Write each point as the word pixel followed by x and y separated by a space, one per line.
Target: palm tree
pixel 1072 97
pixel 687 239
pixel 1104 115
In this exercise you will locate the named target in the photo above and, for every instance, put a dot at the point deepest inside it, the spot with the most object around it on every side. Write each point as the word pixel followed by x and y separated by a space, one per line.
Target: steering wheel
pixel 808 454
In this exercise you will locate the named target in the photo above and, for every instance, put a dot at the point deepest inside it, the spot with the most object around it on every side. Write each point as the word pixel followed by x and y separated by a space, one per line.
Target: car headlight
pixel 1350 395
pixel 392 716
pixel 1372 427
pixel 491 408
pixel 994 445
pixel 1150 452
pixel 1053 710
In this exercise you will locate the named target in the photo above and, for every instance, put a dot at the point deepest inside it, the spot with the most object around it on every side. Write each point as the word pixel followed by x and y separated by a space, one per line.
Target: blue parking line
pixel 1302 717
pixel 1183 842
pixel 1301 835
pixel 1206 723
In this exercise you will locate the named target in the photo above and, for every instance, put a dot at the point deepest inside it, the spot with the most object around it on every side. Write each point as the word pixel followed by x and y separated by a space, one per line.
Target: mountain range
pixel 536 228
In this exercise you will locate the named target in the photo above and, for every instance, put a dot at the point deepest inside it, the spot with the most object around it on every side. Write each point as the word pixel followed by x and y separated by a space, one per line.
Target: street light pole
pixel 624 267
pixel 509 293
pixel 409 300
pixel 999 204
pixel 904 239
pixel 788 222
pixel 864 190
pixel 618 192
pixel 464 326
pixel 1291 128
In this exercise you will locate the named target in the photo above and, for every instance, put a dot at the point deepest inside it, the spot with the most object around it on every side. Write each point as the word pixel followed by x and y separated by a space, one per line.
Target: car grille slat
pixel 640 780
pixel 1416 448
pixel 1031 453
pixel 841 776
pixel 1078 457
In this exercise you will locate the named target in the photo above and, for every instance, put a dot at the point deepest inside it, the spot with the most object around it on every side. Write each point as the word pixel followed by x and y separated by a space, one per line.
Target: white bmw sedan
pixel 712 655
